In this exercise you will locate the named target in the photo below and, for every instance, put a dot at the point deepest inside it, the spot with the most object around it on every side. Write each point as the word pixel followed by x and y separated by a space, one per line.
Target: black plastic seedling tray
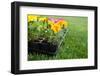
pixel 45 48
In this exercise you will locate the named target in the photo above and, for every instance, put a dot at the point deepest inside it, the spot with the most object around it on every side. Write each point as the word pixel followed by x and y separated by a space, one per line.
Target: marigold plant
pixel 44 26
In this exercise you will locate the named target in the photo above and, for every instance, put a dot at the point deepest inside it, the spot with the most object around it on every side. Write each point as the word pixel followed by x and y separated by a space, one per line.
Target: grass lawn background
pixel 74 46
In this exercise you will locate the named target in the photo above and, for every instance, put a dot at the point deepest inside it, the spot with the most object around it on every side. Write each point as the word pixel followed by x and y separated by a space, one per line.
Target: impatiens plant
pixel 43 28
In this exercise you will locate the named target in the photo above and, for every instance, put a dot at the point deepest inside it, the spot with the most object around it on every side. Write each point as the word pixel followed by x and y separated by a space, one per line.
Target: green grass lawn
pixel 74 46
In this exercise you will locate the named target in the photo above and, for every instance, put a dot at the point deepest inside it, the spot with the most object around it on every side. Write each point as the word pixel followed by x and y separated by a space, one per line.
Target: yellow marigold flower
pixel 50 22
pixel 56 28
pixel 44 19
pixel 32 18
pixel 63 23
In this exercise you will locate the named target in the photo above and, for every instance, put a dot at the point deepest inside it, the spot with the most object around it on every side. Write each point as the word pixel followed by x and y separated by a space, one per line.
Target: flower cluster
pixel 54 24
pixel 57 24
